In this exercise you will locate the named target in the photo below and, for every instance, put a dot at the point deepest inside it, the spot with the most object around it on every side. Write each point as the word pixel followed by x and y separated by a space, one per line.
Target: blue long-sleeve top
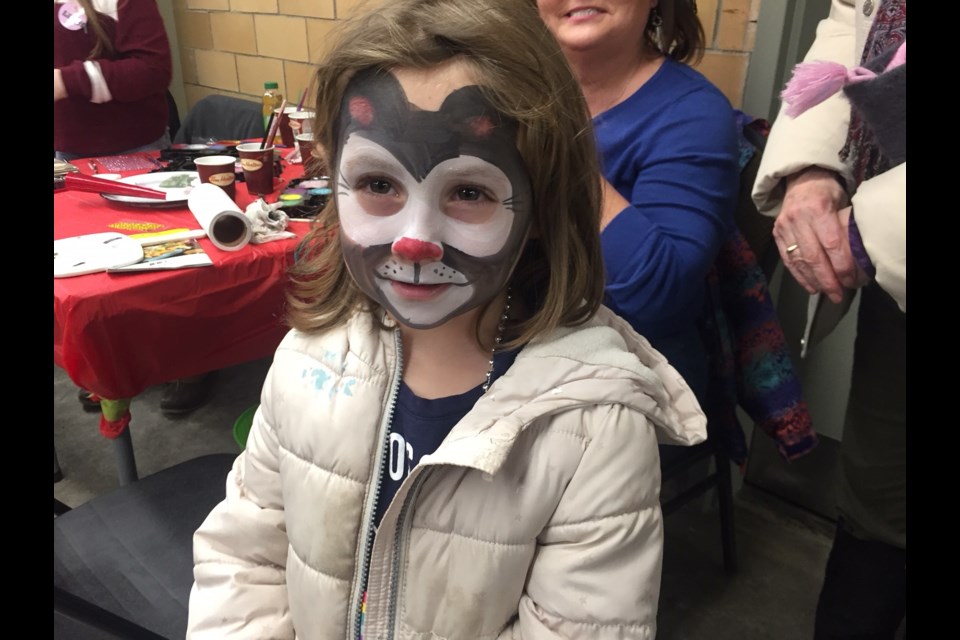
pixel 670 150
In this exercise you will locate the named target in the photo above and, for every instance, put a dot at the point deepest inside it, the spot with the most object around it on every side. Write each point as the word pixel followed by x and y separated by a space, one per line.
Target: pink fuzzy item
pixel 811 84
pixel 814 82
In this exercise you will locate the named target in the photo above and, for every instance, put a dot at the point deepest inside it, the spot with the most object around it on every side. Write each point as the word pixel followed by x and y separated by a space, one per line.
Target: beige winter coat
pixel 537 517
pixel 815 139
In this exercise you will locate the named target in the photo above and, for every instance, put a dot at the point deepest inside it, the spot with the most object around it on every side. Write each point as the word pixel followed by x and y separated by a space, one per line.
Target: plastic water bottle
pixel 272 98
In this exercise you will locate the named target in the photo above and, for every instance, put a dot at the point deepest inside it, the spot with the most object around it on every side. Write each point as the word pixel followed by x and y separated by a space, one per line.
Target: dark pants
pixel 864 589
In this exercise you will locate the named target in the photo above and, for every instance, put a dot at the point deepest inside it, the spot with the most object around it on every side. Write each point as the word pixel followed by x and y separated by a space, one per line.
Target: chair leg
pixel 57 472
pixel 126 462
pixel 725 498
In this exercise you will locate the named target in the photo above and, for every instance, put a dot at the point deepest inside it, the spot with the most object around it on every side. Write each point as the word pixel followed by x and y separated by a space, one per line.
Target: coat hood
pixel 603 361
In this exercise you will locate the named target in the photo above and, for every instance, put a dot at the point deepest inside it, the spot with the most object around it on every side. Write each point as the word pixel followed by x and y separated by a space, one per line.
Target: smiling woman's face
pixel 584 25
pixel 433 196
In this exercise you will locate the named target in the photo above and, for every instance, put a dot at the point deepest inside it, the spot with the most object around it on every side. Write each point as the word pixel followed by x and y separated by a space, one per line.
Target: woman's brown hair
pixel 681 34
pixel 525 75
pixel 103 46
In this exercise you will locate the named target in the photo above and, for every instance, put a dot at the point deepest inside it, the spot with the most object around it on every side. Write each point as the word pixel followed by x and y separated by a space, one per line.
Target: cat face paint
pixel 434 205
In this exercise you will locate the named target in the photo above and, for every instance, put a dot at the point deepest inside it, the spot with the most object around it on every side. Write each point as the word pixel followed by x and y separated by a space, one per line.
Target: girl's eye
pixel 378 196
pixel 379 186
pixel 470 194
pixel 376 185
pixel 470 203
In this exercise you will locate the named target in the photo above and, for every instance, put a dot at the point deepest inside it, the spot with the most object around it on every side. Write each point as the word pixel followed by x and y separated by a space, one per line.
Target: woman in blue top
pixel 668 140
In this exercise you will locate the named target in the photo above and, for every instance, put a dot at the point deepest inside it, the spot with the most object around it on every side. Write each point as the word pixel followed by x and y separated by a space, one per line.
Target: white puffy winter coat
pixel 537 517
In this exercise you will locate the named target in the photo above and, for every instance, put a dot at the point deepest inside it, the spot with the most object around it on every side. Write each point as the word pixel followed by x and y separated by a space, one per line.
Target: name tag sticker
pixel 72 16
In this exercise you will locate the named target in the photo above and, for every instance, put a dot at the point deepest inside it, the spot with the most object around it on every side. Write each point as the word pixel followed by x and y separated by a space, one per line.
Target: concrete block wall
pixel 232 47
pixel 730 27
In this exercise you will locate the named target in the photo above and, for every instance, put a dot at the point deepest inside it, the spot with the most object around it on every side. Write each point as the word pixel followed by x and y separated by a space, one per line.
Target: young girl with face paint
pixel 455 439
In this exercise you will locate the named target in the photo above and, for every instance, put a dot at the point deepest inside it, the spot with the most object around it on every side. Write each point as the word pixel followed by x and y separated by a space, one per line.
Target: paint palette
pixel 95 252
pixel 305 197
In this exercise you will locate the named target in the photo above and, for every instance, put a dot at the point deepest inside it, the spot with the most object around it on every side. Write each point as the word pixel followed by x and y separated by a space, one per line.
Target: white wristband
pixel 100 92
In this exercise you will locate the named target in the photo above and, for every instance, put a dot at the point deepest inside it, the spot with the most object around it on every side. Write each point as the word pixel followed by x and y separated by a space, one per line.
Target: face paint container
pixel 290 200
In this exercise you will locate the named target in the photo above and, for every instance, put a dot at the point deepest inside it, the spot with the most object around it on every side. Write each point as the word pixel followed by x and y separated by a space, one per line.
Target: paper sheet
pixel 220 217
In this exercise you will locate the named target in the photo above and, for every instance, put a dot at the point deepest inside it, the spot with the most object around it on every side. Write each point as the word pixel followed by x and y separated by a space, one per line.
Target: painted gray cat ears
pixel 375 107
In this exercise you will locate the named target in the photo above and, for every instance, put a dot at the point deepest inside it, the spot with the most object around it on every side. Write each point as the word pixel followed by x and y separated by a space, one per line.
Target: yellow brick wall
pixel 730 27
pixel 232 47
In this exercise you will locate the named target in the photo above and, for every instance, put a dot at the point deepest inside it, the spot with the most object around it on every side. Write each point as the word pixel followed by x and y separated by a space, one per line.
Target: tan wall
pixel 232 47
pixel 730 27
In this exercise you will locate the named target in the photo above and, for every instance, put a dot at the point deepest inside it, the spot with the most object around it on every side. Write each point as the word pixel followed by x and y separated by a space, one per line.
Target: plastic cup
pixel 305 144
pixel 257 166
pixel 301 122
pixel 312 162
pixel 286 133
pixel 220 171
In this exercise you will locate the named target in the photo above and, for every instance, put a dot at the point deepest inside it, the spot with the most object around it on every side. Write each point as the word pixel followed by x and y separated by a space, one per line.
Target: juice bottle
pixel 271 100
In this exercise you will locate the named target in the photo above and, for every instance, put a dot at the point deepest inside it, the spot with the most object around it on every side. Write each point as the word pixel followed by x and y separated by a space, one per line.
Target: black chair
pixel 173 115
pixel 756 228
pixel 217 117
pixel 123 561
pixel 677 462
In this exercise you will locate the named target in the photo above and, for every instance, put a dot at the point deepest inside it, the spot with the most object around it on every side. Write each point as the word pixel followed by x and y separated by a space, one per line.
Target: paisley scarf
pixel 889 30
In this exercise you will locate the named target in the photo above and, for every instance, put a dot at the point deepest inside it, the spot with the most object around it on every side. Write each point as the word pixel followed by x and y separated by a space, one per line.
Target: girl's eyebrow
pixel 374 162
pixel 474 170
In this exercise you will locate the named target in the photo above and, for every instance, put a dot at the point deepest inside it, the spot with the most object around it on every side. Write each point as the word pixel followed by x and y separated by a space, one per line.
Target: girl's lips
pixel 418 291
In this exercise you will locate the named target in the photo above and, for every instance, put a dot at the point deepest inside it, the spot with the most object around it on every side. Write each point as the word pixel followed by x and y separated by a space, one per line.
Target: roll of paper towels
pixel 220 217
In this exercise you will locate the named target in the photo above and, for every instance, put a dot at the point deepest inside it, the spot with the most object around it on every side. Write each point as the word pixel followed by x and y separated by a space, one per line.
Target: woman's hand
pixel 812 235
pixel 59 89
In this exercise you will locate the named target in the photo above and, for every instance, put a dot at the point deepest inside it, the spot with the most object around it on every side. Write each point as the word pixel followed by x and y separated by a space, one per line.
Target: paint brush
pixel 266 134
pixel 303 94
pixel 272 134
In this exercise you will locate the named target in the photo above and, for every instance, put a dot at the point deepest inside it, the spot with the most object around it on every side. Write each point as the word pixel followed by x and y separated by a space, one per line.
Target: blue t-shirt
pixel 670 150
pixel 420 425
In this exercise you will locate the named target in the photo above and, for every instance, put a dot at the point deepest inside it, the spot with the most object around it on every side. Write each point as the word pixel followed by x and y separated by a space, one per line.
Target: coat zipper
pixel 370 508
pixel 398 543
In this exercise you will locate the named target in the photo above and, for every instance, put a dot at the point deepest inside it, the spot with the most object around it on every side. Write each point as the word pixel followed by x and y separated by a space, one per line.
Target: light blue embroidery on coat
pixel 334 359
pixel 322 377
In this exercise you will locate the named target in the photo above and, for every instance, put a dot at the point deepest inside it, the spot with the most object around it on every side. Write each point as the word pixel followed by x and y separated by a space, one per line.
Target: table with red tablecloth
pixel 116 334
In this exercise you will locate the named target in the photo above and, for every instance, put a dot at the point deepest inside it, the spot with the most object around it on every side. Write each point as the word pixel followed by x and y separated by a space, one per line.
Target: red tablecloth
pixel 117 334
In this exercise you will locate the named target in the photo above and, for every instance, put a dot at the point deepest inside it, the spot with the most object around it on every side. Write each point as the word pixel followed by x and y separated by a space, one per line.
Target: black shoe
pixel 89 401
pixel 181 397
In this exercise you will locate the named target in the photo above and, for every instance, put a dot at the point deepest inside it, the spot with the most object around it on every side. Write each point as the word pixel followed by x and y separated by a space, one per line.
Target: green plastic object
pixel 241 428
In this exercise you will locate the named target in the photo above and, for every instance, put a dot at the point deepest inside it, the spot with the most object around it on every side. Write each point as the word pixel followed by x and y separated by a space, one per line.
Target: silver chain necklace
pixel 496 342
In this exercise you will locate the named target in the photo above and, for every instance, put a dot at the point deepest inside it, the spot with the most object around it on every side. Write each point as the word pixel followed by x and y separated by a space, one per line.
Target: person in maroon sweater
pixel 111 71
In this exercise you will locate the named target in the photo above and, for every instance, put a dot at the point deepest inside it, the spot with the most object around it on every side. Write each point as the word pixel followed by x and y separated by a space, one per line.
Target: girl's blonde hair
pixel 524 75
